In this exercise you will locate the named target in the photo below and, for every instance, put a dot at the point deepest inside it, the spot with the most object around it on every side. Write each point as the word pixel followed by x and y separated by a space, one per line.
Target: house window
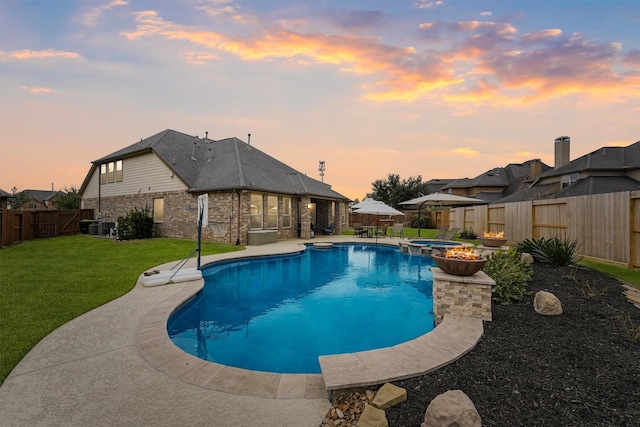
pixel 111 172
pixel 256 211
pixel 272 212
pixel 103 173
pixel 286 212
pixel 118 170
pixel 158 209
pixel 567 180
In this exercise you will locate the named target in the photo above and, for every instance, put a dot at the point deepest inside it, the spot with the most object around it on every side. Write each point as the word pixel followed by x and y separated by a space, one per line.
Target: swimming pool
pixel 279 313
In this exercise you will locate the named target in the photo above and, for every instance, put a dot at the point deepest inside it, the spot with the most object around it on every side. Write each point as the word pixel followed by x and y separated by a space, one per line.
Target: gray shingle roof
pixel 224 165
pixel 605 158
pixel 599 185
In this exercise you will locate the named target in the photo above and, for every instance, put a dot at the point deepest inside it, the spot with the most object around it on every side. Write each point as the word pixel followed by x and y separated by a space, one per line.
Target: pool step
pixel 451 339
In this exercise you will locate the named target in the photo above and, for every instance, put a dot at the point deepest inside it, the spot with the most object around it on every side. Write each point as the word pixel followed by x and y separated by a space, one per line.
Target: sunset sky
pixel 441 89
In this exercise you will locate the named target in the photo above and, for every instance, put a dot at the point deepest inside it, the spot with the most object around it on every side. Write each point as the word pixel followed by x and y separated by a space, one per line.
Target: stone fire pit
pixel 492 242
pixel 458 267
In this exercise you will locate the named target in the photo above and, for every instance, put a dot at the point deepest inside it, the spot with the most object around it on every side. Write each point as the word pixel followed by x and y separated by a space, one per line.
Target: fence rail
pixel 19 226
pixel 607 226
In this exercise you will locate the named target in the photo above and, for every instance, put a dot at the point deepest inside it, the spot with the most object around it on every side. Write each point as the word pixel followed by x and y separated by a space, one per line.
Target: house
pixel 498 182
pixel 249 192
pixel 39 199
pixel 606 170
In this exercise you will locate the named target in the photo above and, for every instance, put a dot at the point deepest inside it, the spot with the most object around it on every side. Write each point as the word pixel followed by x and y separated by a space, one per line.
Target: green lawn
pixel 44 283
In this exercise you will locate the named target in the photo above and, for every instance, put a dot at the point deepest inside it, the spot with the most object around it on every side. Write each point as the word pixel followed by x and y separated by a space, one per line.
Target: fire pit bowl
pixel 458 267
pixel 492 242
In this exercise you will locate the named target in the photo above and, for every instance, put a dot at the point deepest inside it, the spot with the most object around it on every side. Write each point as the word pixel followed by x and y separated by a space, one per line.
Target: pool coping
pixel 450 340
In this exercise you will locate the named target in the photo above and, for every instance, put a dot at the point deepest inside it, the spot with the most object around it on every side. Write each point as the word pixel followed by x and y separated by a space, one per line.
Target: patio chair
pixel 382 230
pixel 451 234
pixel 358 230
pixel 329 230
pixel 398 229
pixel 442 232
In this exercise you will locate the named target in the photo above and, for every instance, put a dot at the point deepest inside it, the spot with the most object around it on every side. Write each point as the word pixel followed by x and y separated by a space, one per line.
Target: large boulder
pixel 526 257
pixel 452 409
pixel 547 304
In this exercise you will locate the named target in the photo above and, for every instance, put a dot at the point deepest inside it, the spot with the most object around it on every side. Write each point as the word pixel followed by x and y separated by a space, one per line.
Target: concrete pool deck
pixel 115 365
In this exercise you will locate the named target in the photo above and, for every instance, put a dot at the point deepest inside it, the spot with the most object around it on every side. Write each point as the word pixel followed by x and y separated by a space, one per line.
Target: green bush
pixel 511 275
pixel 137 224
pixel 422 222
pixel 468 234
pixel 555 251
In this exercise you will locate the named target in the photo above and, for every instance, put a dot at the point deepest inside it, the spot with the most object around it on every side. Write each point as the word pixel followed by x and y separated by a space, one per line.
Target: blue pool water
pixel 279 313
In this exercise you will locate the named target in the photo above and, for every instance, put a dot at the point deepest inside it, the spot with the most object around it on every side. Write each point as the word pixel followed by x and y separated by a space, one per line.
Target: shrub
pixel 468 234
pixel 627 329
pixel 422 222
pixel 555 251
pixel 137 224
pixel 511 275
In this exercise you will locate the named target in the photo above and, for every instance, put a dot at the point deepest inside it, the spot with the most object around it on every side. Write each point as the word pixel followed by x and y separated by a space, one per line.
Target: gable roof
pixel 605 158
pixel 206 165
pixel 508 178
pixel 41 195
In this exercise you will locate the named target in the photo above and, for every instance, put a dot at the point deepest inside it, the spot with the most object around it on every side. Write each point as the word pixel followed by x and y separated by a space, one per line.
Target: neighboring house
pixel 498 182
pixel 606 170
pixel 4 198
pixel 248 191
pixel 39 199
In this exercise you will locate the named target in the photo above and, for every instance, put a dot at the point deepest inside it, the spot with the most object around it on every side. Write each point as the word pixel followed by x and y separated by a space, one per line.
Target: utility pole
pixel 321 170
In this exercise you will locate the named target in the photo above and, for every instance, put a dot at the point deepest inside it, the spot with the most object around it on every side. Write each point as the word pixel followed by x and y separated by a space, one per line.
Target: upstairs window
pixel 567 180
pixel 111 172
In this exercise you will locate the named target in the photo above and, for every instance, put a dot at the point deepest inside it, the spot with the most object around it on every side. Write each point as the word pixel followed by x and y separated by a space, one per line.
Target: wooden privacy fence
pixel 19 226
pixel 607 226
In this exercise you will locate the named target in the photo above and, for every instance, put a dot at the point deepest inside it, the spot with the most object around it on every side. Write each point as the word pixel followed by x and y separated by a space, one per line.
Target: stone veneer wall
pixel 462 295
pixel 181 209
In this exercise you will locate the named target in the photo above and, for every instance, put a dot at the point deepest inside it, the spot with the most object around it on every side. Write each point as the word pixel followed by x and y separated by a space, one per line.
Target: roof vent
pixel 249 139
pixel 193 151
pixel 209 159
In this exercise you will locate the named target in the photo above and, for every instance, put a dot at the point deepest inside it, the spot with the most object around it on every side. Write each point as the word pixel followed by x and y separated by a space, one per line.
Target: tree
pixel 68 198
pixel 18 199
pixel 392 191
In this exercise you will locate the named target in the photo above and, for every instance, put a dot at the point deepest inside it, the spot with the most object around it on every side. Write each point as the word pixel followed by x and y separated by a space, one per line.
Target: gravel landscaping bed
pixel 575 369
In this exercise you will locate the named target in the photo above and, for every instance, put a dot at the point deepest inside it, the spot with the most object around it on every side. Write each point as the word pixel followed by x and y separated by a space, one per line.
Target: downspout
pixel 239 216
pixel 99 192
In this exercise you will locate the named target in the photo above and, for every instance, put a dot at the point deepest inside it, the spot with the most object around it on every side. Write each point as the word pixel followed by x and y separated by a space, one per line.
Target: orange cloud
pixel 466 152
pixel 485 62
pixel 39 54
pixel 37 89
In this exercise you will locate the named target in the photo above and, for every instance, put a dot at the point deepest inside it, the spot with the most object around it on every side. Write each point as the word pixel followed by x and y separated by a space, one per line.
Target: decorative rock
pixel 373 417
pixel 452 408
pixel 389 395
pixel 528 258
pixel 547 303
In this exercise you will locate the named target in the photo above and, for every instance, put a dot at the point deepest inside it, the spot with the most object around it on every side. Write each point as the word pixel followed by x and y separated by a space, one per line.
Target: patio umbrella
pixel 375 207
pixel 441 199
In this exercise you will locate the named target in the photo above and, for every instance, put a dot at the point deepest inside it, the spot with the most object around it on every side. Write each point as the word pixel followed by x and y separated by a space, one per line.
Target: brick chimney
pixel 561 151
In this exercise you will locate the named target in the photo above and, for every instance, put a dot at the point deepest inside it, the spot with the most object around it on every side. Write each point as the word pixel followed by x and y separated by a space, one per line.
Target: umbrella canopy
pixel 364 203
pixel 443 199
pixel 377 208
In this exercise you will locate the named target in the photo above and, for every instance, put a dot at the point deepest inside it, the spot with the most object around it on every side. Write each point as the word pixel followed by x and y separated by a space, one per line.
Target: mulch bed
pixel 575 369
